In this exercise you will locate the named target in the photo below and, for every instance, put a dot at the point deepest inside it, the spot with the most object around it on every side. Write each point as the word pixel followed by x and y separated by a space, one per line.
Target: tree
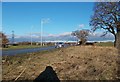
pixel 106 17
pixel 81 34
pixel 4 39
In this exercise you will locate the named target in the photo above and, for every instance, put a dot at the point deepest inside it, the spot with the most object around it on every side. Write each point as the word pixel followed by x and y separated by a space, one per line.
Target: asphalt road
pixel 23 51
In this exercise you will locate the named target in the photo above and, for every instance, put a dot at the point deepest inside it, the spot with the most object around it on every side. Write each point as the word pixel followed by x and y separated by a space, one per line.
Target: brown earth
pixel 73 63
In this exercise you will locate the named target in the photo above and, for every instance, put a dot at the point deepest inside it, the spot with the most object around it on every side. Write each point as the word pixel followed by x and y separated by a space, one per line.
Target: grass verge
pixel 22 47
pixel 104 44
pixel 72 63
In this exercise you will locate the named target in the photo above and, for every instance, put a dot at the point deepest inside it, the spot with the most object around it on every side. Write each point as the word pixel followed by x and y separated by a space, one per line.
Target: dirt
pixel 73 63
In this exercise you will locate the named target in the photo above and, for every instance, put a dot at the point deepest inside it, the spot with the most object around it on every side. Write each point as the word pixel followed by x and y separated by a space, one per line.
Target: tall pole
pixel 12 37
pixel 43 21
pixel 41 30
pixel 31 36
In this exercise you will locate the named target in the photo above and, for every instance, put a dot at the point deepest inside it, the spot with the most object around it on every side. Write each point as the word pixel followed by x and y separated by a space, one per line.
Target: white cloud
pixel 37 35
pixel 15 36
pixel 99 34
pixel 23 36
pixel 61 34
pixel 65 33
pixel 81 26
pixel 51 35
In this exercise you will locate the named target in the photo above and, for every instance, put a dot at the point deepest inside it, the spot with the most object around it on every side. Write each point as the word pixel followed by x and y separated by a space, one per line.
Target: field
pixel 104 44
pixel 22 47
pixel 72 63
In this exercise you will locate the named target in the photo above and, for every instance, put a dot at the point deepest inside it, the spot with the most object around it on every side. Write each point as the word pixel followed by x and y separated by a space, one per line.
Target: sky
pixel 63 16
pixel 60 0
pixel 59 19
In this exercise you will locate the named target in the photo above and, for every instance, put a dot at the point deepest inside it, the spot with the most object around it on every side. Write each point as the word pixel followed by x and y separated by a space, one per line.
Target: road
pixel 24 51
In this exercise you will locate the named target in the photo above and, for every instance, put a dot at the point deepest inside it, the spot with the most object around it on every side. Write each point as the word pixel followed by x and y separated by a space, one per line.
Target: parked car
pixel 59 44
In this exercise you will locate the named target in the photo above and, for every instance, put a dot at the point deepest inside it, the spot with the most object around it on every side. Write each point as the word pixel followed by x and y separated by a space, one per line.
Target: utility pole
pixel 12 37
pixel 31 36
pixel 41 30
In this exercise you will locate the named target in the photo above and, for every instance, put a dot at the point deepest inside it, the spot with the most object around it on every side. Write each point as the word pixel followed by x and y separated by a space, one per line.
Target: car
pixel 59 44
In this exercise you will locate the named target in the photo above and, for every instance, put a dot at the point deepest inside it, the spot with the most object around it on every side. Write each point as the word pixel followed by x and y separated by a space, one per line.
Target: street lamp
pixel 41 30
pixel 43 21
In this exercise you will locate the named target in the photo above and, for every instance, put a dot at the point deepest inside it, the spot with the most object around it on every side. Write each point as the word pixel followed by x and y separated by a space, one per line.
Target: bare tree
pixel 4 39
pixel 81 35
pixel 106 17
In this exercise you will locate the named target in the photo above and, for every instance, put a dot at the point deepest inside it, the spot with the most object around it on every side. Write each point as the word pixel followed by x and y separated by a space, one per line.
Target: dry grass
pixel 73 63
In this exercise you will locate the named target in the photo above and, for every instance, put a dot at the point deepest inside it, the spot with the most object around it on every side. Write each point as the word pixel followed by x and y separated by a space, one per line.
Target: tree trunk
pixel 117 37
pixel 115 41
pixel 118 47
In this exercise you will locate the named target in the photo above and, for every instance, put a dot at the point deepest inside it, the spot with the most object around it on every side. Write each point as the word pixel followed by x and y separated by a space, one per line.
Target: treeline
pixel 34 43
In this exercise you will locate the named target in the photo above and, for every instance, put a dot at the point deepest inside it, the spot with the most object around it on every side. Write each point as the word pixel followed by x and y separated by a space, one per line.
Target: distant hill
pixel 96 37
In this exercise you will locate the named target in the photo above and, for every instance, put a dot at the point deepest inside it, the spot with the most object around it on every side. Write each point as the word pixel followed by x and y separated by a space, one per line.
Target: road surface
pixel 24 51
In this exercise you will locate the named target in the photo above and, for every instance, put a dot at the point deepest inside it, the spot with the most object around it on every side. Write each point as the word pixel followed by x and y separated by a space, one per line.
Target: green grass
pixel 22 47
pixel 105 44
